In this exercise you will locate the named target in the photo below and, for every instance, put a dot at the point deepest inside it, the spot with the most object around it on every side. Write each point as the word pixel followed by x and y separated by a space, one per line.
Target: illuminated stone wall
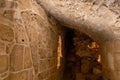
pixel 28 42
pixel 29 38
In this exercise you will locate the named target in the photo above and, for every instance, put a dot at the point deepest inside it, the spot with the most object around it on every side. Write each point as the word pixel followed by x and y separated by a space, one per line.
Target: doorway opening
pixel 82 57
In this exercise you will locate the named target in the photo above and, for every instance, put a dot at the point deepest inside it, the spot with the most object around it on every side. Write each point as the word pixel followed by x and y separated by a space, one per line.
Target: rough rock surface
pixel 83 60
pixel 100 19
pixel 96 18
pixel 29 35
pixel 28 41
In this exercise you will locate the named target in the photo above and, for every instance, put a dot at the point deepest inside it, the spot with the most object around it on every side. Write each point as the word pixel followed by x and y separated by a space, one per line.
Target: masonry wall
pixel 111 60
pixel 28 42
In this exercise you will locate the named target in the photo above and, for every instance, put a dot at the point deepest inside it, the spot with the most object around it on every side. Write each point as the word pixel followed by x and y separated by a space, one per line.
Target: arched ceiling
pixel 97 18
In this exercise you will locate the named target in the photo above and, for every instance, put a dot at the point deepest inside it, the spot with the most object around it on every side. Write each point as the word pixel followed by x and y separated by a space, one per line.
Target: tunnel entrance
pixel 82 57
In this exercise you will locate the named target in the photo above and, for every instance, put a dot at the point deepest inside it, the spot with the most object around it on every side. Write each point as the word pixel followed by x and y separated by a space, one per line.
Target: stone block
pixel 43 75
pixel 80 76
pixel 104 59
pixel 35 58
pixel 117 60
pixel 3 63
pixel 7 4
pixel 56 76
pixel 6 33
pixel 96 71
pixel 10 4
pixel 9 14
pixel 51 53
pixel 20 32
pixel 18 76
pixel 86 66
pixel 53 70
pixel 4 75
pixel 2 48
pixel 32 27
pixel 9 48
pixel 51 62
pixel 109 46
pixel 42 65
pixel 117 45
pixel 110 60
pixel 16 58
pixel 40 40
pixel 24 4
pixel 31 75
pixel 2 3
pixel 42 53
pixel 27 58
pixel 35 30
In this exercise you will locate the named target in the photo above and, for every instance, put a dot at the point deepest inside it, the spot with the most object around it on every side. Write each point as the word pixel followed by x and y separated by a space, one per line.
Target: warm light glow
pixel 93 45
pixel 59 51
pixel 99 58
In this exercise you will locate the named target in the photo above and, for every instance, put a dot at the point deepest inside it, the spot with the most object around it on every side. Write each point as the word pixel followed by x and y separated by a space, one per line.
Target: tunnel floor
pixel 83 61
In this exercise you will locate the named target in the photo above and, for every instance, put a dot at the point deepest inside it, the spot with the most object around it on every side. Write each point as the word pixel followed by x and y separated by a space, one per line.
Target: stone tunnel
pixel 36 36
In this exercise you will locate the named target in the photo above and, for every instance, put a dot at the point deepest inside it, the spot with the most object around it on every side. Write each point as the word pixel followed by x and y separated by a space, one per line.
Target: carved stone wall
pixel 29 37
pixel 28 42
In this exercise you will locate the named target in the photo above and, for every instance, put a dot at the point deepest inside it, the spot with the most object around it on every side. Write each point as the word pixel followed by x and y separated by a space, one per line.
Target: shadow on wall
pixel 82 59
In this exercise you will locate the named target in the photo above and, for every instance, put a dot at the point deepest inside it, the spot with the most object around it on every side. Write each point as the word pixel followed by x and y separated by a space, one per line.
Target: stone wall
pixel 111 60
pixel 29 38
pixel 28 42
